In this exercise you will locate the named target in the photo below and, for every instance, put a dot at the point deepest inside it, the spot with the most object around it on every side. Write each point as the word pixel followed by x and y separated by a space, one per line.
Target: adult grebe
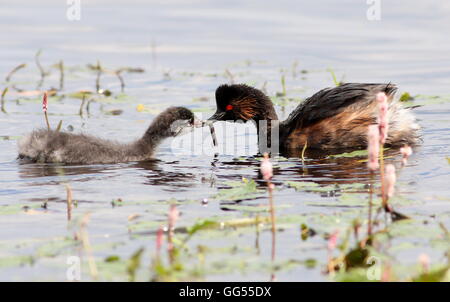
pixel 333 118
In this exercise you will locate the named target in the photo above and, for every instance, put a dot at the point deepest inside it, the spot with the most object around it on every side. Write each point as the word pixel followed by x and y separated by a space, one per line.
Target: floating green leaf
pixel 309 186
pixel 405 97
pixel 13 261
pixel 357 153
pixel 112 258
pixel 436 275
pixel 238 191
pixel 201 225
pixel 134 263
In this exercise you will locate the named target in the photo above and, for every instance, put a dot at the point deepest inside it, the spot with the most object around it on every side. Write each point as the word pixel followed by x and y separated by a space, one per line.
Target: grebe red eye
pixel 229 107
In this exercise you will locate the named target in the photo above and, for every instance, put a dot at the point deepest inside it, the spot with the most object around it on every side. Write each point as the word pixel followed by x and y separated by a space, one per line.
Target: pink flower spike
pixel 381 97
pixel 406 152
pixel 424 260
pixel 266 167
pixel 389 180
pixel 159 239
pixel 373 147
pixel 173 216
pixel 383 122
pixel 332 241
pixel 45 102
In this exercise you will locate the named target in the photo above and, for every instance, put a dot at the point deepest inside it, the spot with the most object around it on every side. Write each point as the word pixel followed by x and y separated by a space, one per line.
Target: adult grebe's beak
pixel 218 116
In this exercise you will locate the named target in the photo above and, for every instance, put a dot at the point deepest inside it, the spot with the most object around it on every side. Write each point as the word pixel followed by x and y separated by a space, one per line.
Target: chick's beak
pixel 197 123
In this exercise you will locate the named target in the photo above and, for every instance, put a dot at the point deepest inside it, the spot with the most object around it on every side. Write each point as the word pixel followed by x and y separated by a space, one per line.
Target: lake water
pixel 187 50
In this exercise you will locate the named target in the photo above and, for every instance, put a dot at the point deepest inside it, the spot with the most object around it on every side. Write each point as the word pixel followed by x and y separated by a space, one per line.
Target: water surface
pixel 187 50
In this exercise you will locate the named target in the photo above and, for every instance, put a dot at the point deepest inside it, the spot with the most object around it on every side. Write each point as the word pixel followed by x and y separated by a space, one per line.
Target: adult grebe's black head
pixel 242 102
pixel 172 122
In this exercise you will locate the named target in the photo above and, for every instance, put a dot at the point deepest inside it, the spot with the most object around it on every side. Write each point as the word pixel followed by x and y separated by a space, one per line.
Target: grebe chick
pixel 333 118
pixel 46 146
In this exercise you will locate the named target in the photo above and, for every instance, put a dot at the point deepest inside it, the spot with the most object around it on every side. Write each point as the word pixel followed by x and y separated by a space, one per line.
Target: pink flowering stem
pixel 44 108
pixel 173 217
pixel 373 147
pixel 373 143
pixel 383 130
pixel 424 261
pixel 331 245
pixel 332 241
pixel 267 173
pixel 159 240
pixel 383 122
pixel 406 152
pixel 389 182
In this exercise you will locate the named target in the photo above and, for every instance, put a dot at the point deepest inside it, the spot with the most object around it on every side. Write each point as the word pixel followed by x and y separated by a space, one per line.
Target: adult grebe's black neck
pixel 262 113
pixel 240 102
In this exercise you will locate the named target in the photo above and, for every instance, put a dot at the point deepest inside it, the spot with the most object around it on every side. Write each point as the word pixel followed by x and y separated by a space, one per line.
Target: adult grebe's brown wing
pixel 331 101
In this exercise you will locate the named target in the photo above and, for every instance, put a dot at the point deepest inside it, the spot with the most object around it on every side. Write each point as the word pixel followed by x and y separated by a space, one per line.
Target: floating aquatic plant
pixel 245 189
pixel 120 71
pixel 405 97
pixel 333 75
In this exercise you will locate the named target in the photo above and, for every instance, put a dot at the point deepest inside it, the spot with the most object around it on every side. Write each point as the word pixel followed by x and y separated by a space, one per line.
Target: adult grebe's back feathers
pixel 331 101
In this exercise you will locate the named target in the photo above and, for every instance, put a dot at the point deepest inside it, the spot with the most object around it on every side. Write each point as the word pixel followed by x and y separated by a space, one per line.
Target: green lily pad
pixel 357 153
pixel 405 97
pixel 13 261
pixel 16 208
pixel 437 275
pixel 239 191
pixel 309 186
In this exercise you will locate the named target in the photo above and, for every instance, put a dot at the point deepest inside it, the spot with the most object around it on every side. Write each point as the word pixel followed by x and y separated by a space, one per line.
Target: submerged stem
pixel 272 219
pixel 87 246
pixel 383 189
pixel 369 223
pixel 41 69
pixel 83 101
pixel 69 202
pixel 99 73
pixel 303 150
pixel 58 128
pixel 61 75
pixel 3 99
pixel 46 120
pixel 17 68
pixel 122 82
